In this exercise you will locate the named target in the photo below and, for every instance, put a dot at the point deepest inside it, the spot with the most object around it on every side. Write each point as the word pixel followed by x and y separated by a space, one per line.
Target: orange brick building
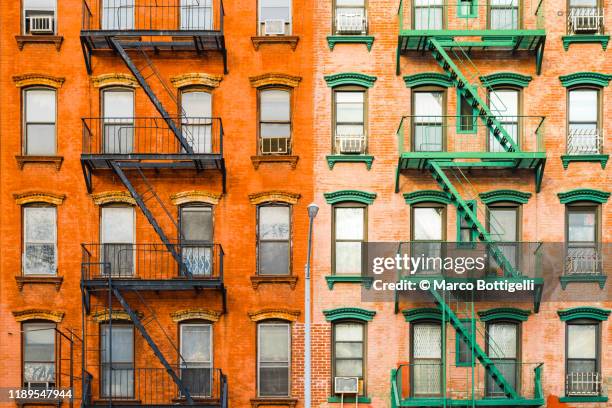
pixel 157 158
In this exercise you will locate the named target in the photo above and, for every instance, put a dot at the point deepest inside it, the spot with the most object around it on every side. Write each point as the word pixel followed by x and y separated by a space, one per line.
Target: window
pixel 274 17
pixel 582 233
pixel 428 226
pixel 196 118
pixel 273 359
pixel 349 352
pixel 502 343
pixel 582 364
pixel 504 104
pixel 465 232
pixel 467 115
pixel 467 8
pixel 464 350
pixel 117 236
pixel 196 362
pixel 428 123
pixel 349 115
pixel 118 110
pixel 274 239
pixel 39 17
pixel 197 14
pixel 585 17
pixel 503 225
pixel 196 222
pixel 504 14
pixel 38 355
pixel 274 121
pixel 426 350
pixel 39 240
pixel 351 17
pixel 349 234
pixel 428 14
pixel 40 117
pixel 117 358
pixel 117 14
pixel 584 135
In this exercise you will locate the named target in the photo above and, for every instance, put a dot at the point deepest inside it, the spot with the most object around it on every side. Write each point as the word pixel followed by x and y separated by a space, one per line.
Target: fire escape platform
pixel 492 40
pixel 178 284
pixel 478 160
pixel 485 402
pixel 155 161
pixel 172 40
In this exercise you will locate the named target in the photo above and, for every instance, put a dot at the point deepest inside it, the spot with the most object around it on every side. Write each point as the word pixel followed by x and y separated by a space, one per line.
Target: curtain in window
pixel 40 241
pixel 427 353
pixel 39 354
pixel 273 234
pixel 197 240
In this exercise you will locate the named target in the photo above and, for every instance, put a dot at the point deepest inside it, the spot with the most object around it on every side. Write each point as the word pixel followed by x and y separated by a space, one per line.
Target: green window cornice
pixel 513 196
pixel 343 313
pixel 506 313
pixel 422 313
pixel 427 78
pixel 506 78
pixel 583 194
pixel 349 195
pixel 583 312
pixel 585 78
pixel 350 78
pixel 425 196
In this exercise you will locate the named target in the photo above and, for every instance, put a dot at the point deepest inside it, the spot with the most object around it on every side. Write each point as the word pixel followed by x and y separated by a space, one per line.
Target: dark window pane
pixel 196 223
pixel 274 258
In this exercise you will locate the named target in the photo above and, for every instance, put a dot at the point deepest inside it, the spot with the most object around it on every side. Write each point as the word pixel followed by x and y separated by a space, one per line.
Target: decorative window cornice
pixel 422 313
pixel 290 315
pixel 350 78
pixel 343 313
pixel 584 194
pixel 24 80
pixel 272 196
pixel 38 314
pixel 427 78
pixel 196 313
pixel 275 79
pixel 513 196
pixel 38 197
pixel 426 196
pixel 196 79
pixel 349 195
pixel 195 196
pixel 585 78
pixel 506 78
pixel 114 79
pixel 108 197
pixel 507 313
pixel 584 312
pixel 103 315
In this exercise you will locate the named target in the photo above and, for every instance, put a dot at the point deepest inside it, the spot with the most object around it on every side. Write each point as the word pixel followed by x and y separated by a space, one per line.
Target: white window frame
pixel 25 98
pixel 23 18
pixel 33 326
pixel 25 242
pixel 260 22
pixel 103 238
pixel 289 357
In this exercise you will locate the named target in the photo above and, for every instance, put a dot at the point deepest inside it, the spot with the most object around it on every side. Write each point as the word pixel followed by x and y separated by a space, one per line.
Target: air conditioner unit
pixel 346 385
pixel 41 24
pixel 274 27
pixel 39 385
pixel 351 22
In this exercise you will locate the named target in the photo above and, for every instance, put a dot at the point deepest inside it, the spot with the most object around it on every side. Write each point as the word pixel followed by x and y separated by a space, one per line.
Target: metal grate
pixel 583 383
pixel 583 20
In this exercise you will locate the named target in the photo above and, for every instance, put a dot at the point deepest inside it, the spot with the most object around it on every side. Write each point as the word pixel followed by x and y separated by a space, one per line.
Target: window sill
pixel 292 40
pixel 366 281
pixel 332 40
pixel 259 279
pixel 22 40
pixel 257 160
pixel 332 159
pixel 584 399
pixel 49 280
pixel 280 402
pixel 54 160
pixel 360 399
pixel 600 279
pixel 585 39
pixel 602 159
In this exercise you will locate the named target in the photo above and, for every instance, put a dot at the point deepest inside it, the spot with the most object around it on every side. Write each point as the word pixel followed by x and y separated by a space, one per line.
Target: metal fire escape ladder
pixel 143 331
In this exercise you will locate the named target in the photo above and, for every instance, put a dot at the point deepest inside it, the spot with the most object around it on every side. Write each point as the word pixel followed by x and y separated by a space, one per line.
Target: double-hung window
pixel 502 343
pixel 197 120
pixel 350 231
pixel 582 364
pixel 118 238
pixel 504 14
pixel 428 14
pixel 39 17
pixel 118 122
pixel 584 130
pixel 426 367
pixel 39 240
pixel 40 117
pixel 585 17
pixel 349 351
pixel 504 104
pixel 351 17
pixel 274 17
pixel 196 358
pixel 196 222
pixel 196 15
pixel 428 121
pixel 428 233
pixel 274 239
pixel 582 254
pixel 118 14
pixel 503 223
pixel 38 355
pixel 274 122
pixel 117 360
pixel 273 359
pixel 349 129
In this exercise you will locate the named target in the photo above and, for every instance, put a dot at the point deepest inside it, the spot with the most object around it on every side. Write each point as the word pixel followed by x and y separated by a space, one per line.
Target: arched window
pixel 196 119
pixel 273 358
pixel 274 121
pixel 584 128
pixel 118 237
pixel 426 358
pixel 504 103
pixel 196 357
pixel 196 237
pixel 39 239
pixel 428 230
pixel 349 232
pixel 274 239
pixel 38 344
pixel 118 120
pixel 349 351
pixel 503 341
pixel 350 120
pixel 117 360
pixel 40 115
pixel 428 119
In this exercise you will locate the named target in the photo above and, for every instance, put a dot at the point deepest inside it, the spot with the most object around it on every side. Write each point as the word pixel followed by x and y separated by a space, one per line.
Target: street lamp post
pixel 313 209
